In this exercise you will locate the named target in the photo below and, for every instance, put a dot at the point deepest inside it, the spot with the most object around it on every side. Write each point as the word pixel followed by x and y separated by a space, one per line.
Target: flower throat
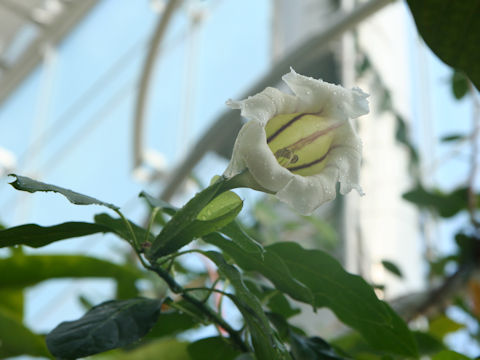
pixel 301 142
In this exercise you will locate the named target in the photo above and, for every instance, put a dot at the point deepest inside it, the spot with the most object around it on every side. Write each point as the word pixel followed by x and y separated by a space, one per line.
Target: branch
pixel 431 302
pixel 472 197
pixel 213 316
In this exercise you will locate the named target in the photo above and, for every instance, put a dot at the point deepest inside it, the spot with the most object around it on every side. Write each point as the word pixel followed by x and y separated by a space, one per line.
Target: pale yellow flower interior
pixel 301 142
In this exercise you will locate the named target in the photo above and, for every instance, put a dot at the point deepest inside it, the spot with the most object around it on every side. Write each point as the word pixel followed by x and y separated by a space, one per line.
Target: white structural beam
pixel 13 75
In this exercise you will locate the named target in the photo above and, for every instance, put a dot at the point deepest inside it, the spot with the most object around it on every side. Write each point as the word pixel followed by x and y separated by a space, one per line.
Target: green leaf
pixel 189 309
pixel 159 203
pixel 459 84
pixel 37 236
pixel 354 344
pixel 269 264
pixel 428 344
pixel 280 305
pixel 452 30
pixel 12 301
pixel 24 183
pixel 178 232
pixel 449 355
pixel 455 137
pixel 348 296
pixel 212 348
pixel 264 341
pixel 221 211
pixel 117 226
pixel 402 136
pixel 394 269
pixel 242 239
pixel 28 270
pixel 172 323
pixel 17 340
pixel 468 247
pixel 446 205
pixel 107 326
pixel 301 273
pixel 443 325
pixel 222 204
pixel 163 349
pixel 245 356
pixel 126 285
pixel 313 348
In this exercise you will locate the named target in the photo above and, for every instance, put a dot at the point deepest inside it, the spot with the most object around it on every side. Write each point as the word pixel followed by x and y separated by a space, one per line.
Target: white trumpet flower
pixel 299 146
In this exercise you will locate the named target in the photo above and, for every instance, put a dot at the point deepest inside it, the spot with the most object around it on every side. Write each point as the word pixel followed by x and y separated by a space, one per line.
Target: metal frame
pixel 13 75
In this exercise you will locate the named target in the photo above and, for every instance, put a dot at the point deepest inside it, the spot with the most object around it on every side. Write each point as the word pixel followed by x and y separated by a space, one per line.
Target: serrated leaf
pixel 36 236
pixel 17 340
pixel 212 348
pixel 107 326
pixel 452 30
pixel 28 270
pixel 351 299
pixel 264 342
pixel 24 183
pixel 391 267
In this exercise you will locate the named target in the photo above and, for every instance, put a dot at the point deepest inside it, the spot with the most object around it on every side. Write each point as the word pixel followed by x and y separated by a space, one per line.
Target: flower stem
pixel 213 316
pixel 244 179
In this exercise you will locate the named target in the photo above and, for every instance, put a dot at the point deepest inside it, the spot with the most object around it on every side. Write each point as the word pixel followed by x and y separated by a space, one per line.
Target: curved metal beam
pixel 141 104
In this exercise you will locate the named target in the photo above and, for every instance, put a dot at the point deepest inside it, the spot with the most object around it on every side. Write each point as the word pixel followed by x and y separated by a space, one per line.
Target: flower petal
pixel 346 156
pixel 265 105
pixel 329 100
pixel 253 153
pixel 306 194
